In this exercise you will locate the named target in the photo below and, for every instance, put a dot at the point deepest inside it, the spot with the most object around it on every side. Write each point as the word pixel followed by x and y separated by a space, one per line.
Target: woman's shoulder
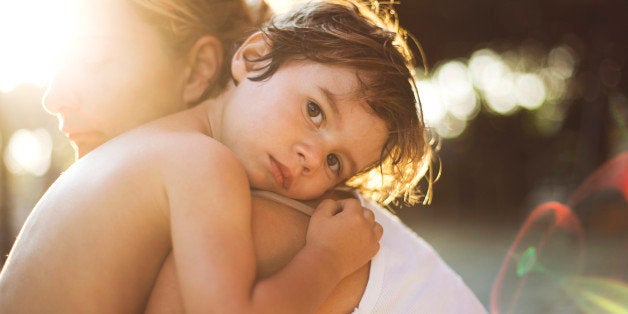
pixel 158 141
pixel 163 152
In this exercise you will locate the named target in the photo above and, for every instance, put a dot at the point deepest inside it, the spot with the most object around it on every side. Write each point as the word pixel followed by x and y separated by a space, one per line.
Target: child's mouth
pixel 281 173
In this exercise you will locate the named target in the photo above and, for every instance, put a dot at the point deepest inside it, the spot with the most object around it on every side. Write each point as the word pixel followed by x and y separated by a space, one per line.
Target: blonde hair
pixel 182 22
pixel 350 33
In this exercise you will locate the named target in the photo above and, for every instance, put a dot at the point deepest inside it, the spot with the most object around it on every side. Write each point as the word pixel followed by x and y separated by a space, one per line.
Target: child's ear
pixel 204 64
pixel 253 48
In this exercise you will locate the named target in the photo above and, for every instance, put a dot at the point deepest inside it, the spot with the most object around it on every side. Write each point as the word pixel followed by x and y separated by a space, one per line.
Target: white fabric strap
pixel 284 200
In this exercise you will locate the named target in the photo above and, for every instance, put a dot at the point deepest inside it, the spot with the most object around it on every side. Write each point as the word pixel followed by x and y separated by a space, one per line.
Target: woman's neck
pixel 213 109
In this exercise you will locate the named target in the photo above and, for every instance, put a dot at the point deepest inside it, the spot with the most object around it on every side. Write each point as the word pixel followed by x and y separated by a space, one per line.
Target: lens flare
pixel 546 269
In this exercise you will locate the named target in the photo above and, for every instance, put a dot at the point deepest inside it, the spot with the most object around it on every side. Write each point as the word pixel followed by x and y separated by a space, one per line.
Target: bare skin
pixel 101 252
pixel 278 234
pixel 91 100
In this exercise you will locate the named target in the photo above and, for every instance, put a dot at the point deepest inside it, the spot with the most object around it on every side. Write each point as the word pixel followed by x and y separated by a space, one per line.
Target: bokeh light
pixel 529 91
pixel 487 69
pixel 561 61
pixel 29 152
pixel 499 94
pixel 457 89
pixel 434 109
pixel 450 127
pixel 502 83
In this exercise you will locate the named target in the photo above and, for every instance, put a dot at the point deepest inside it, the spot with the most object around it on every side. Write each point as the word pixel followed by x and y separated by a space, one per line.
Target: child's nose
pixel 311 157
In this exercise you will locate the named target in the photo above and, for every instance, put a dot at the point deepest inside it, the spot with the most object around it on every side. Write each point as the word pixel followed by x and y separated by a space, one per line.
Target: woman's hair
pixel 348 33
pixel 181 22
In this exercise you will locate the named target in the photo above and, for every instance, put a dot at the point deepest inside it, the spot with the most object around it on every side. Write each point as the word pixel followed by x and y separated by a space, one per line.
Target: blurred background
pixel 528 97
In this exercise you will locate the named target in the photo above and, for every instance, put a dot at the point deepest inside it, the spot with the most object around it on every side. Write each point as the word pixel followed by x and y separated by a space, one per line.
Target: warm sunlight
pixel 280 6
pixel 32 33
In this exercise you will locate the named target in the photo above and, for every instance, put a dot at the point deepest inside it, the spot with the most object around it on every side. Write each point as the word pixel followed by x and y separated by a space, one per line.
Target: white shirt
pixel 407 275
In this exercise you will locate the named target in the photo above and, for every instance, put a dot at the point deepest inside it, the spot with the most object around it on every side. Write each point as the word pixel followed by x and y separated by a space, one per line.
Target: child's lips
pixel 281 173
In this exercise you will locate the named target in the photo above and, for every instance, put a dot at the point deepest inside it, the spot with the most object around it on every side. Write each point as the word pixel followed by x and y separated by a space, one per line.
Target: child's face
pixel 118 75
pixel 303 131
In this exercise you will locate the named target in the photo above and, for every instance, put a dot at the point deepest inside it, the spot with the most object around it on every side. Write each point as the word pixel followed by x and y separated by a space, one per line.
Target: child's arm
pixel 210 208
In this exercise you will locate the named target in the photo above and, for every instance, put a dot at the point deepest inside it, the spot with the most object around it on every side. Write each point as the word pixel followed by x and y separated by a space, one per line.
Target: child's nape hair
pixel 365 36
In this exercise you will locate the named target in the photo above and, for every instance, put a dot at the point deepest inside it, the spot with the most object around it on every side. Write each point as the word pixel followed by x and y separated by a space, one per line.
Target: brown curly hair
pixel 349 33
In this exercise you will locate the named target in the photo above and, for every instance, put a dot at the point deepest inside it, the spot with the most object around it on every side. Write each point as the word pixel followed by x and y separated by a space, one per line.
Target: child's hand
pixel 345 233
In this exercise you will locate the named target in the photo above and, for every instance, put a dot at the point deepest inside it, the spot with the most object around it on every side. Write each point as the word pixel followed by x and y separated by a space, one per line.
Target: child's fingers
pixel 327 207
pixel 379 230
pixel 350 205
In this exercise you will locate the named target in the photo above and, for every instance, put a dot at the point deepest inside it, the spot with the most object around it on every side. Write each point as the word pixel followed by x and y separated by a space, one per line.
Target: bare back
pixel 93 243
pixel 96 240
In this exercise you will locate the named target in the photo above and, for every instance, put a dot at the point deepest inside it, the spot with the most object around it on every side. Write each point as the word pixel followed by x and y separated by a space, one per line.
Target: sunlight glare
pixel 280 6
pixel 32 32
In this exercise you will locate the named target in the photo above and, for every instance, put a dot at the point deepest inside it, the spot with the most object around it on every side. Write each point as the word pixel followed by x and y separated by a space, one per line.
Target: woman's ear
pixel 205 60
pixel 254 47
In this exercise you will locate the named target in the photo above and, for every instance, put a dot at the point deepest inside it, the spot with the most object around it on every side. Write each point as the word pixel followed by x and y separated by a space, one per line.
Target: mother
pixel 138 60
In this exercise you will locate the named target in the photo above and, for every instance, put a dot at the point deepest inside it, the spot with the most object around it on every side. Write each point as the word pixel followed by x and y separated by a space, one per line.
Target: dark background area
pixel 499 168
pixel 498 163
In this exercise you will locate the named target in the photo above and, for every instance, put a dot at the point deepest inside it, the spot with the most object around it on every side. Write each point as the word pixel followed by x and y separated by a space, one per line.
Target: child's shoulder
pixel 191 168
pixel 198 153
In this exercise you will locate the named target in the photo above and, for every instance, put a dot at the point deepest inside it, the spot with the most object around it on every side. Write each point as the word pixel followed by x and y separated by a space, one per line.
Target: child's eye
pixel 315 112
pixel 333 162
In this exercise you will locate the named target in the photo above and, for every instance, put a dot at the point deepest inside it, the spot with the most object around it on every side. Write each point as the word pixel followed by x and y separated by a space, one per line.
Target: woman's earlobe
pixel 205 60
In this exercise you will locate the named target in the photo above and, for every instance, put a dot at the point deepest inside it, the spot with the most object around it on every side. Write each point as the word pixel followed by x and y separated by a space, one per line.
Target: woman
pixel 135 63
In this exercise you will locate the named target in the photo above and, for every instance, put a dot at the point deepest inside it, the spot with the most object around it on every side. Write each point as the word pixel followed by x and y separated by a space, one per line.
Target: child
pixel 137 198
